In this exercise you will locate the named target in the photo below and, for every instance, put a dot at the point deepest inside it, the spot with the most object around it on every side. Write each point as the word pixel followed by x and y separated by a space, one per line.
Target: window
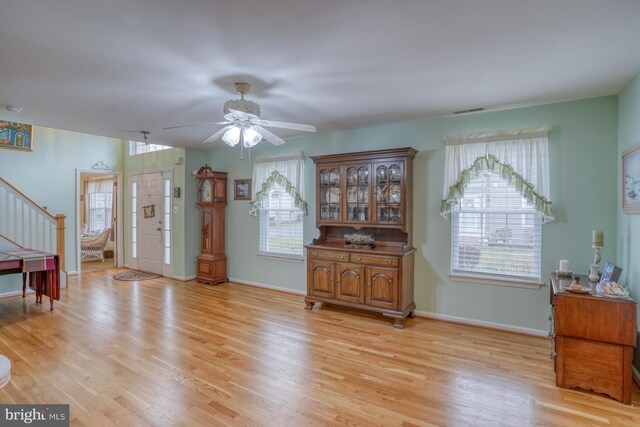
pixel 280 224
pixel 136 147
pixel 166 223
pixel 134 220
pixel 495 231
pixel 100 211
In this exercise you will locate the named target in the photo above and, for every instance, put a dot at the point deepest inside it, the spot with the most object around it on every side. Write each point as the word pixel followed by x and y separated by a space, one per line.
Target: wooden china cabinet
pixel 366 193
pixel 212 198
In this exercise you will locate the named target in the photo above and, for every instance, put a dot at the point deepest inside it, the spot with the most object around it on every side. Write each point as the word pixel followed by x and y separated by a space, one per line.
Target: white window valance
pixel 287 171
pixel 521 156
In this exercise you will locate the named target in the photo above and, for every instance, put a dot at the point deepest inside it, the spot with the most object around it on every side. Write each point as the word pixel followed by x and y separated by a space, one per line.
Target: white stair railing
pixel 28 224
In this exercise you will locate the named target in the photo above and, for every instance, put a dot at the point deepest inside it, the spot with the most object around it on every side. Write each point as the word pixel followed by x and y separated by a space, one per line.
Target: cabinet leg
pixel 309 305
pixel 398 322
pixel 412 315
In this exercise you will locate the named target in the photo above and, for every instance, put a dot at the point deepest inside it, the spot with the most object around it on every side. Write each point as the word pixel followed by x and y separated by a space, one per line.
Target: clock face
pixel 207 194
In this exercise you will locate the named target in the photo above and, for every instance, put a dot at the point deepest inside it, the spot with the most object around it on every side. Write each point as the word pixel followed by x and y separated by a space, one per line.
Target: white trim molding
pixel 485 280
pixel 419 313
pixel 636 375
pixel 15 293
pixel 183 278
pixel 266 286
pixel 481 323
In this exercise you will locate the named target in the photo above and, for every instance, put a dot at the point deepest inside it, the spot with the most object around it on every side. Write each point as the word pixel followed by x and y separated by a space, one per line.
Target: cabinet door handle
pixel 358 259
pixel 314 254
pixel 341 256
pixel 388 261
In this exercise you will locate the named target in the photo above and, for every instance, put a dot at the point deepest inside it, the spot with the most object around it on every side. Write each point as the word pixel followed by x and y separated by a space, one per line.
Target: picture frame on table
pixel 16 136
pixel 242 189
pixel 610 273
pixel 631 180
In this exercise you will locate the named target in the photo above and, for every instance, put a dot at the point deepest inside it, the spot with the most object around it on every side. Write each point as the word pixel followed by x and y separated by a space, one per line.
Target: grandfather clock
pixel 212 198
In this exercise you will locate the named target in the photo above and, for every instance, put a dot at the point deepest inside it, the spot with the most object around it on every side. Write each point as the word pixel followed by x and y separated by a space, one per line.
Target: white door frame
pixel 167 269
pixel 119 241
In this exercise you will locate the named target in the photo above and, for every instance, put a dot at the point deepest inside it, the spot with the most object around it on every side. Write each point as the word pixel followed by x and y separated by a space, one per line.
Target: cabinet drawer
pixel 378 260
pixel 328 255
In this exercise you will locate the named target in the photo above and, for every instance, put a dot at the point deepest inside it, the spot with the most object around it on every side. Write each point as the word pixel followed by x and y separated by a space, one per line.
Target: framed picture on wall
pixel 631 180
pixel 242 189
pixel 16 136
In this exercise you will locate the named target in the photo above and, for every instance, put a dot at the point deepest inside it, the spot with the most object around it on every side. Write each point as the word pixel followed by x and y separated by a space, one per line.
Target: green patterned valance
pixel 263 193
pixel 491 163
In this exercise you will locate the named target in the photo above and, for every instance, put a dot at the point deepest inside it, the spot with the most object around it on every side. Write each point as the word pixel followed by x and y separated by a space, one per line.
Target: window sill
pixel 286 258
pixel 484 280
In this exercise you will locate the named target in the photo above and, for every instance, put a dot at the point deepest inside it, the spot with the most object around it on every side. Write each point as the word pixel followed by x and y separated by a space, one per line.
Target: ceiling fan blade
pixel 269 136
pixel 226 122
pixel 217 134
pixel 186 126
pixel 285 125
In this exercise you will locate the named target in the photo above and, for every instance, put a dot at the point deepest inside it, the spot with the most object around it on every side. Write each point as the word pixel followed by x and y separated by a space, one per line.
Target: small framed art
pixel 631 180
pixel 242 189
pixel 16 136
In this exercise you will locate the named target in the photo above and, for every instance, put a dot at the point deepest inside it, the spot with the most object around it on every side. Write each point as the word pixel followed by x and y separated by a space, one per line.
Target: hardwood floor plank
pixel 162 352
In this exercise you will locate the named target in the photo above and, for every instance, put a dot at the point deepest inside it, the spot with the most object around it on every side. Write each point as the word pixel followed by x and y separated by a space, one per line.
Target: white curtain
pixel 95 188
pixel 520 156
pixel 287 171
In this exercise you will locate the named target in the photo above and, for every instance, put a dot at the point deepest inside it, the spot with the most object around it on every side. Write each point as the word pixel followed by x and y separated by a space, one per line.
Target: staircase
pixel 24 223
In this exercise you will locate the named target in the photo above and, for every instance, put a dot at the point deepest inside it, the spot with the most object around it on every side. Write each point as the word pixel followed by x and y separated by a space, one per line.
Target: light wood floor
pixel 161 352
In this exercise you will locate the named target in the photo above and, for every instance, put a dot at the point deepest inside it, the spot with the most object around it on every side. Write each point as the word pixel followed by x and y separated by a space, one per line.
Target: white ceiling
pixel 105 66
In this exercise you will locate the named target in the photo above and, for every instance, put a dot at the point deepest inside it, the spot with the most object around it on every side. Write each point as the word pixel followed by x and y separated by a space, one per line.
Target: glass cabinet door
pixel 330 194
pixel 358 189
pixel 388 199
pixel 205 232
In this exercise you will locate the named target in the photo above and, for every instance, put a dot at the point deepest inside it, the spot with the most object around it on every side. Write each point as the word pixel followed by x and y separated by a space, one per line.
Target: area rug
pixel 135 275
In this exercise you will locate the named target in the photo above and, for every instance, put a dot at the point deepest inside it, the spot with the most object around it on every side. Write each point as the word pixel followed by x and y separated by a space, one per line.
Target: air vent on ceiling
pixel 471 110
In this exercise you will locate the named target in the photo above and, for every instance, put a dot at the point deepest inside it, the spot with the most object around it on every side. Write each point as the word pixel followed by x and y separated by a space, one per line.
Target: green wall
pixel 48 174
pixel 583 188
pixel 629 225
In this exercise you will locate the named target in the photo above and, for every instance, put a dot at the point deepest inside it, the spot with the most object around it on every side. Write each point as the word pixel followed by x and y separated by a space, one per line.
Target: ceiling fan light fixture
pixel 232 136
pixel 250 137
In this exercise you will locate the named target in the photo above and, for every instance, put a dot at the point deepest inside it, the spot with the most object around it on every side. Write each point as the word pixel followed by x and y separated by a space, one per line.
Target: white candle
pixel 564 265
pixel 598 238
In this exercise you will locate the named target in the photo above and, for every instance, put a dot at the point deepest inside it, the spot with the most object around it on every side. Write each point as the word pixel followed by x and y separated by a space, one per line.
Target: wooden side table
pixel 592 340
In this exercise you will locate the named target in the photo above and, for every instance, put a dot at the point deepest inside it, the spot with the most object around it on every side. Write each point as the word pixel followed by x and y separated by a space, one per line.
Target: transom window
pixel 281 224
pixel 136 147
pixel 495 231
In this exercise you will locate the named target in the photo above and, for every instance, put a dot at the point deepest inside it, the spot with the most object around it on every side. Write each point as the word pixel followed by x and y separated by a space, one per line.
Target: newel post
pixel 60 239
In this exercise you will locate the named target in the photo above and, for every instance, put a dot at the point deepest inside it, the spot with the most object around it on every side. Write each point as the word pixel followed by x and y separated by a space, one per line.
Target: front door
pixel 149 211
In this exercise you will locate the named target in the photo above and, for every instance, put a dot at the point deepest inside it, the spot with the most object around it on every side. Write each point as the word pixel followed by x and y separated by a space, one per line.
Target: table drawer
pixel 382 261
pixel 328 255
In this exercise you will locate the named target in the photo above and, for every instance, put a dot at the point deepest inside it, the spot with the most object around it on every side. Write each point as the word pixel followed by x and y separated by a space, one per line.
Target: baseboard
pixel 15 293
pixel 184 279
pixel 481 323
pixel 266 286
pixel 425 314
pixel 72 273
pixel 636 376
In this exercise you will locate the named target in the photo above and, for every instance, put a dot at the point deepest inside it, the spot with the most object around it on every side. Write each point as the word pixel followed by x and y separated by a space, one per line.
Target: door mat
pixel 135 275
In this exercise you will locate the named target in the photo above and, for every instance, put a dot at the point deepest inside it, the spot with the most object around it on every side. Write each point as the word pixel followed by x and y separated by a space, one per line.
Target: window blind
pixel 281 224
pixel 495 231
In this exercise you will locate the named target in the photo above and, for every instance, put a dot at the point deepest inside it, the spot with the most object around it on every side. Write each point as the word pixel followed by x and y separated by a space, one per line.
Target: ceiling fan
pixel 243 123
